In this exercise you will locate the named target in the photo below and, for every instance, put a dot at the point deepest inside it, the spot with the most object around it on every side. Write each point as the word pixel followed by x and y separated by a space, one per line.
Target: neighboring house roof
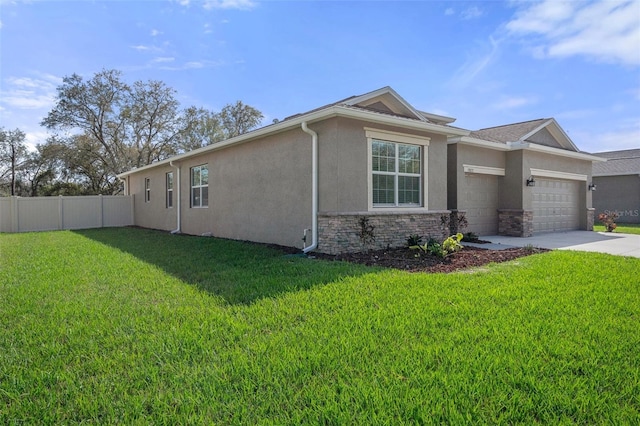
pixel 543 134
pixel 619 163
pixel 383 106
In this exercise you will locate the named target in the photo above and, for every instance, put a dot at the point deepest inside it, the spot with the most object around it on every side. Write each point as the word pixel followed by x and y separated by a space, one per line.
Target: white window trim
pixel 402 138
pixel 147 190
pixel 557 175
pixel 192 186
pixel 483 170
pixel 169 190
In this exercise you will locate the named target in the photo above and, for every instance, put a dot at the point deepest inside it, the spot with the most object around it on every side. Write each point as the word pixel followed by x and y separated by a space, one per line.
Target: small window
pixel 147 190
pixel 200 186
pixel 169 190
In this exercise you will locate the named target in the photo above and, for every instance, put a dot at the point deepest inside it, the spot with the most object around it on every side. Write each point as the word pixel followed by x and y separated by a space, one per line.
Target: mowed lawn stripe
pixel 130 325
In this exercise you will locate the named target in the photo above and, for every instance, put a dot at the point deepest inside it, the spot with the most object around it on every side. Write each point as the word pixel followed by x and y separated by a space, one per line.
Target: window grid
pixel 200 186
pixel 396 174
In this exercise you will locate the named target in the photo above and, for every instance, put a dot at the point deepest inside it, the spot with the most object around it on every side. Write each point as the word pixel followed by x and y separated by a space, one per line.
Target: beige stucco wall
pixel 475 156
pixel 153 214
pixel 258 191
pixel 261 190
pixel 343 165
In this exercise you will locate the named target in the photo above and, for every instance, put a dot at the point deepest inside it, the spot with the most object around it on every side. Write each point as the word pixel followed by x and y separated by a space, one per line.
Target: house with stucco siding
pixel 362 173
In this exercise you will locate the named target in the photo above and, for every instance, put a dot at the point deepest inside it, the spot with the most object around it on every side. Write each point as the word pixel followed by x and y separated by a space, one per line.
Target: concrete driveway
pixel 602 242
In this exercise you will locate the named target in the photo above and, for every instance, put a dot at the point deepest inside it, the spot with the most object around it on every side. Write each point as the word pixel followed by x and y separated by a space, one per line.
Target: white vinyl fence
pixel 19 214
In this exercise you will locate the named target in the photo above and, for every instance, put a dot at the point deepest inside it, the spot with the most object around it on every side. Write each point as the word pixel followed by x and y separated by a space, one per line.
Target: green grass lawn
pixel 622 228
pixel 135 326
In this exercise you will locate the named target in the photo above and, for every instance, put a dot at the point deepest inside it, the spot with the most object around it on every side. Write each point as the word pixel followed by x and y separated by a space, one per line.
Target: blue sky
pixel 485 63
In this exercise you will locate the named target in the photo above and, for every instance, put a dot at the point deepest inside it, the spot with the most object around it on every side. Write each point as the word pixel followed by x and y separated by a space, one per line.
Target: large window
pixel 200 186
pixel 396 173
pixel 147 190
pixel 169 190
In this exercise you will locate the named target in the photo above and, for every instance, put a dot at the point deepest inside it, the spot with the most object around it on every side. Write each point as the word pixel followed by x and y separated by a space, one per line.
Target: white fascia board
pixel 466 140
pixel 483 170
pixel 391 120
pixel 323 114
pixel 615 174
pixel 557 175
pixel 438 117
pixel 554 151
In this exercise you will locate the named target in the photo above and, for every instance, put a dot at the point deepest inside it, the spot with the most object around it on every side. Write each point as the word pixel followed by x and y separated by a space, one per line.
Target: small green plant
pixel 414 240
pixel 452 244
pixel 608 220
pixel 433 247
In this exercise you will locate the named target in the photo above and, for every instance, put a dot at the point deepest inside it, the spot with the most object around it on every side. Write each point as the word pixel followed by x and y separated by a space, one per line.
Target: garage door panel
pixel 555 205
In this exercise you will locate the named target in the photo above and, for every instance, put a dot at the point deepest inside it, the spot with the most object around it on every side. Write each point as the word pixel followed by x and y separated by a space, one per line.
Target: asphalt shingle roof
pixel 507 133
pixel 626 162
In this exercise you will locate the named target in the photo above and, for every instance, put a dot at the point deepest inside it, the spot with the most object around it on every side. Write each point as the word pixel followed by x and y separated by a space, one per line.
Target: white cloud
pixel 229 4
pixel 155 33
pixel 222 4
pixel 449 11
pixel 30 93
pixel 471 13
pixel 607 31
pixel 474 66
pixel 510 102
pixel 162 59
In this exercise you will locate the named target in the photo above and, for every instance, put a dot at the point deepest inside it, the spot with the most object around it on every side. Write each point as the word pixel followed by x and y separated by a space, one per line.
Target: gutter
pixel 314 188
pixel 177 185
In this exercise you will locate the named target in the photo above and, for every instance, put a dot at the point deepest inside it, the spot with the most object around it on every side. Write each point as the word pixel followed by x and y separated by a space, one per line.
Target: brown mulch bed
pixel 406 260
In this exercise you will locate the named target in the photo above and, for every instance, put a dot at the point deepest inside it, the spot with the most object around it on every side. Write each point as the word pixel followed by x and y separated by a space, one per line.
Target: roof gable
pixel 385 100
pixel 543 131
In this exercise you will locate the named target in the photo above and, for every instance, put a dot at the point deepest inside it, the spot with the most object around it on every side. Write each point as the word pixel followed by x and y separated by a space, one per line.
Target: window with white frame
pixel 147 190
pixel 169 190
pixel 200 186
pixel 397 167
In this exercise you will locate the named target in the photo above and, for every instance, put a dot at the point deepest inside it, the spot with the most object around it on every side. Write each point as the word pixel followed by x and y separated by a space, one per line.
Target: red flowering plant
pixel 608 220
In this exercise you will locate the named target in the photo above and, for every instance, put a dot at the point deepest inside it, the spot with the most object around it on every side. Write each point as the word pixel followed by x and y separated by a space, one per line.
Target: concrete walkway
pixel 602 242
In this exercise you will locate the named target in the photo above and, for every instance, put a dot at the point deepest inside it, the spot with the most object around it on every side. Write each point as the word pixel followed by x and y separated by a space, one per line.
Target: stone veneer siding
pixel 340 232
pixel 515 223
pixel 591 217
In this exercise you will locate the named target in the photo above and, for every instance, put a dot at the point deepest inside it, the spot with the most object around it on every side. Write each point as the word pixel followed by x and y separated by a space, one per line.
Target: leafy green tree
pixel 105 126
pixel 239 118
pixel 114 126
pixel 13 155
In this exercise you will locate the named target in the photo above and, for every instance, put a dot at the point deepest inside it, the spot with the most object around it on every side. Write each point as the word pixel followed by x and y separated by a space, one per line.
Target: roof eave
pixel 466 140
pixel 556 151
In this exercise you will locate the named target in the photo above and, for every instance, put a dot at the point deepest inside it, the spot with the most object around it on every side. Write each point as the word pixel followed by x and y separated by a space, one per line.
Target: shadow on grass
pixel 240 273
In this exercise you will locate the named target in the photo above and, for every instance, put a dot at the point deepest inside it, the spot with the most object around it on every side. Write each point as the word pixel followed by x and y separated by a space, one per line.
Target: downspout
pixel 314 188
pixel 177 185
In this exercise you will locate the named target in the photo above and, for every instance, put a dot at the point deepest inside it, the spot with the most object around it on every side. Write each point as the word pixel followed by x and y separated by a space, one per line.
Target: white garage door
pixel 556 205
pixel 481 203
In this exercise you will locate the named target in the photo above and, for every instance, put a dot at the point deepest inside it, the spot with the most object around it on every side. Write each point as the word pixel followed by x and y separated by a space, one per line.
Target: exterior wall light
pixel 531 181
pixel 592 187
